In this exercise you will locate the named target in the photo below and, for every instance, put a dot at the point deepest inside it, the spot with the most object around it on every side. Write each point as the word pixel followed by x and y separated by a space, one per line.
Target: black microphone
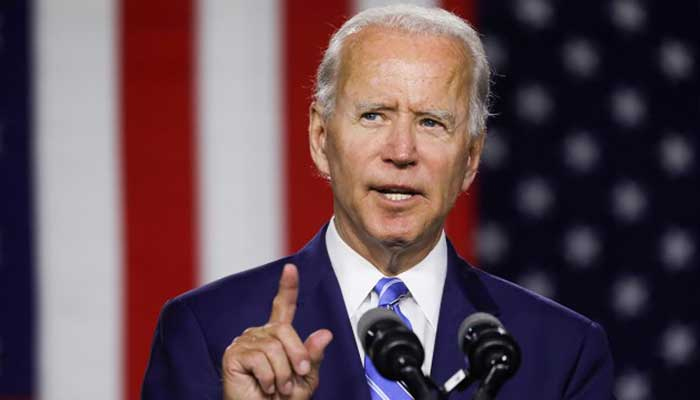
pixel 389 343
pixel 394 350
pixel 494 355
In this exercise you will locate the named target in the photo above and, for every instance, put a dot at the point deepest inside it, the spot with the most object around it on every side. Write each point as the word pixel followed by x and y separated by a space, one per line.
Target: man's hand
pixel 271 361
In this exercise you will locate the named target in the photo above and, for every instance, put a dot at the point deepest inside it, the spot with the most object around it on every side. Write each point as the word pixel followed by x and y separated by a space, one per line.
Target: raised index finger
pixel 285 302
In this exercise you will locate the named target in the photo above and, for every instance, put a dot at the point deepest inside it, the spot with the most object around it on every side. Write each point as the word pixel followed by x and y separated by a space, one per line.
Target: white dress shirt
pixel 425 282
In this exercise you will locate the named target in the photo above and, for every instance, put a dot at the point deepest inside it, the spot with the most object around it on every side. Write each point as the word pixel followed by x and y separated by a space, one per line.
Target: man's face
pixel 396 148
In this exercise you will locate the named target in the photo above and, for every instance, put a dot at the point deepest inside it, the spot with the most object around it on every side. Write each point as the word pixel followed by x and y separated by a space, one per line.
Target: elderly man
pixel 397 127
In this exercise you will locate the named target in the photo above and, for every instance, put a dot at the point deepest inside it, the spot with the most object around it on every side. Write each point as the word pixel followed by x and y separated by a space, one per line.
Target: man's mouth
pixel 397 196
pixel 396 193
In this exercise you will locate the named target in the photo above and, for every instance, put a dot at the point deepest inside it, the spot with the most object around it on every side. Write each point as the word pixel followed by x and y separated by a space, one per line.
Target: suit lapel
pixel 321 305
pixel 463 295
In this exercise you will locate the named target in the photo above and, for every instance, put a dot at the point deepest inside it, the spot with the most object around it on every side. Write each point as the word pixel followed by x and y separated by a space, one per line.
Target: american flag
pixel 589 188
pixel 149 147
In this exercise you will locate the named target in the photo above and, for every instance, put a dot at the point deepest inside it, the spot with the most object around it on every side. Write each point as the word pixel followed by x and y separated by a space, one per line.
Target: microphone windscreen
pixel 476 319
pixel 373 316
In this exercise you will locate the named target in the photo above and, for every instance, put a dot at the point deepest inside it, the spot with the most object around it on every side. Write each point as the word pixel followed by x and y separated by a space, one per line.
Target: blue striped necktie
pixel 390 291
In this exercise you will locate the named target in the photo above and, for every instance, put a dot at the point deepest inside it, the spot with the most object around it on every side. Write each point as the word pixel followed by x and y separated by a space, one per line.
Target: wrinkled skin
pixel 270 361
pixel 399 125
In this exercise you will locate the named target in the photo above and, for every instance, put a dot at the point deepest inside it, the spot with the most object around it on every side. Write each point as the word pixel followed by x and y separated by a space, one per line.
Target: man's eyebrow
pixel 364 106
pixel 442 115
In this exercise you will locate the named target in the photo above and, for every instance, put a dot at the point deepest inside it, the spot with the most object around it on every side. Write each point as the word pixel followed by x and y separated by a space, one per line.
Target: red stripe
pixel 306 32
pixel 158 156
pixel 462 222
pixel 464 8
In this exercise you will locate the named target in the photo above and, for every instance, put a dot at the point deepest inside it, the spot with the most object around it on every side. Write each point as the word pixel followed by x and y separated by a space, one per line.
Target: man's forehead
pixel 371 38
pixel 383 64
pixel 440 57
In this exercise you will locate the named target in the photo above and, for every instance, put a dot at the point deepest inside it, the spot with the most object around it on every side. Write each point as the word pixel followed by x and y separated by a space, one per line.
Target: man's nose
pixel 400 147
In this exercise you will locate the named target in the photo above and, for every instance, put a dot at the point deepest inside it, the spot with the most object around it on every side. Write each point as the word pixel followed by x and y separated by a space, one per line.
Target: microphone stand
pixel 421 386
pixel 424 388
pixel 492 383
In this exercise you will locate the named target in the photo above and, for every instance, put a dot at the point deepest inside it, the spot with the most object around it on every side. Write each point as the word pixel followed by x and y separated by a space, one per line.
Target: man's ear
pixel 476 145
pixel 318 134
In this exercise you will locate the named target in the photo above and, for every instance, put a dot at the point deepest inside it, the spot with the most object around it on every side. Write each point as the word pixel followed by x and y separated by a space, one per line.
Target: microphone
pixel 395 351
pixel 494 355
pixel 389 343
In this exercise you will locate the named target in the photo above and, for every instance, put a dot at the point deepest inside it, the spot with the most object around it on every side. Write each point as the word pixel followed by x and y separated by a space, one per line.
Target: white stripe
pixel 386 287
pixel 77 229
pixel 240 155
pixel 365 4
pixel 377 389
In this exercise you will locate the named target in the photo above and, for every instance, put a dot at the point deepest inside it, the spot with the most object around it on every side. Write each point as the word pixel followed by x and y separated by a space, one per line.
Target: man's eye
pixel 370 116
pixel 430 123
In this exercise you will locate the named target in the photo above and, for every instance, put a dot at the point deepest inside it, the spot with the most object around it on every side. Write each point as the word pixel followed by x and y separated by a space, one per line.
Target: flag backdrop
pixel 149 147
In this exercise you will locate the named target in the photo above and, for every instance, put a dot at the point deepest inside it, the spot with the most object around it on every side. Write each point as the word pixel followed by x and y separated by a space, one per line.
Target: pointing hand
pixel 271 361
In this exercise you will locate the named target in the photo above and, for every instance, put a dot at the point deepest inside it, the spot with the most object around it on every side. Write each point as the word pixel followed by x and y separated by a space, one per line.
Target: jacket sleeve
pixel 180 366
pixel 592 376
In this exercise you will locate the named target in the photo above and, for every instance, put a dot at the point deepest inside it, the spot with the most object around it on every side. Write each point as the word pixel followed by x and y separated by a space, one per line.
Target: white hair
pixel 418 20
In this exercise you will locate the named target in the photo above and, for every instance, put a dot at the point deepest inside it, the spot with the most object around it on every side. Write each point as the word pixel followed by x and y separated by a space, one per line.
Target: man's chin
pixel 403 233
pixel 395 238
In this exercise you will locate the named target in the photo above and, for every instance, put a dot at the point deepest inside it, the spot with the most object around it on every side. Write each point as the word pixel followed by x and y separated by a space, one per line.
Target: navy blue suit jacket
pixel 564 355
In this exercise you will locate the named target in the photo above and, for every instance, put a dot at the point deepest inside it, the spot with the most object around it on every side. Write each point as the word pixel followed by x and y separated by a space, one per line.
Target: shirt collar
pixel 357 276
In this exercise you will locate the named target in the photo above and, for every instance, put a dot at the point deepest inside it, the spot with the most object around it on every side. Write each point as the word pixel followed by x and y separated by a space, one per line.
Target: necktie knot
pixel 390 291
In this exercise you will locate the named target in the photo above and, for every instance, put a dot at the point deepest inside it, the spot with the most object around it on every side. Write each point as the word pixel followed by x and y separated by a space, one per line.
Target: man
pixel 397 127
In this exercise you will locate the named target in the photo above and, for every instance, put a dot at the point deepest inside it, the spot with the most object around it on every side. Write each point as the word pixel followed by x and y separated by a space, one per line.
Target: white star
pixel 630 295
pixel 536 13
pixel 676 155
pixel 492 243
pixel 678 345
pixel 628 15
pixel 632 385
pixel 628 107
pixel 677 249
pixel 535 197
pixel 581 152
pixel 538 282
pixel 495 150
pixel 676 60
pixel 580 57
pixel 629 201
pixel 495 52
pixel 534 104
pixel 581 246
